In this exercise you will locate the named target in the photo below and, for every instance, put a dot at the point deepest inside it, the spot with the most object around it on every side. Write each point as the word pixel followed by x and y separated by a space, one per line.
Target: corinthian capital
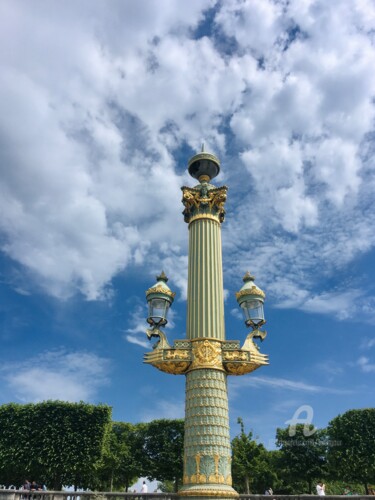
pixel 204 201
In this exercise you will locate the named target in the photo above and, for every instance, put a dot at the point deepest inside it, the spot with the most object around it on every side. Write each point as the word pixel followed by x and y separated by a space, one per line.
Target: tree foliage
pixel 54 442
pixel 251 465
pixel 120 464
pixel 61 443
pixel 351 454
pixel 163 443
pixel 302 455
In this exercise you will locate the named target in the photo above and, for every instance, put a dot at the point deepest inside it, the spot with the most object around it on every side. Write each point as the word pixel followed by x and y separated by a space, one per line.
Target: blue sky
pixel 101 107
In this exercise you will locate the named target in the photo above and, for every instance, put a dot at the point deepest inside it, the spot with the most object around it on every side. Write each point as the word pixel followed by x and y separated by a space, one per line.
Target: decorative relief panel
pixel 206 354
pixel 212 469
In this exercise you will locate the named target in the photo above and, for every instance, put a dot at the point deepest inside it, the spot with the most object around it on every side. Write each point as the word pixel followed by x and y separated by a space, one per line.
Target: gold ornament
pixel 177 354
pixel 254 290
pixel 206 354
pixel 160 289
pixel 234 356
pixel 173 367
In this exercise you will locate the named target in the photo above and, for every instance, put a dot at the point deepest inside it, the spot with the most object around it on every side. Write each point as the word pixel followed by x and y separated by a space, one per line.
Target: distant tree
pixel 338 487
pixel 53 442
pixel 302 455
pixel 251 464
pixel 166 486
pixel 163 443
pixel 351 452
pixel 120 464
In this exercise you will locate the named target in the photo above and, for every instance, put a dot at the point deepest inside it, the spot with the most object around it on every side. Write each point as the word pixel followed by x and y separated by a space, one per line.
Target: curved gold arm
pixel 249 343
pixel 162 343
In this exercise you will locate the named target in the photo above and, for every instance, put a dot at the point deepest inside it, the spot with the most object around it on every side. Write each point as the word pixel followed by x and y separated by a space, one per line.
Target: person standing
pixel 320 489
pixel 144 488
pixel 26 485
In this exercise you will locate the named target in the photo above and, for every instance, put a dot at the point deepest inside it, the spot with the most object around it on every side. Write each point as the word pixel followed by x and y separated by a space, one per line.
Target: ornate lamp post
pixel 205 357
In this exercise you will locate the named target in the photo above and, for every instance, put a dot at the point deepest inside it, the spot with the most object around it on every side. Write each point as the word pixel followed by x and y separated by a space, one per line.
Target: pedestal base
pixel 205 491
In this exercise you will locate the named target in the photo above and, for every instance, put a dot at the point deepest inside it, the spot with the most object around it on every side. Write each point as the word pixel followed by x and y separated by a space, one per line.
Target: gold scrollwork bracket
pixel 174 360
pixel 245 360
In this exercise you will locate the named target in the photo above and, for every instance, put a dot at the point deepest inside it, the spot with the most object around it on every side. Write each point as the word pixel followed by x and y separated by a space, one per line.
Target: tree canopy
pixel 302 454
pixel 163 446
pixel 120 464
pixel 251 469
pixel 351 452
pixel 54 442
pixel 61 443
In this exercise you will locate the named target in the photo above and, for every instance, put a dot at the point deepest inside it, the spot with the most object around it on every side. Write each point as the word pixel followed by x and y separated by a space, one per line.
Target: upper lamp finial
pixel 162 277
pixel 204 166
pixel 248 277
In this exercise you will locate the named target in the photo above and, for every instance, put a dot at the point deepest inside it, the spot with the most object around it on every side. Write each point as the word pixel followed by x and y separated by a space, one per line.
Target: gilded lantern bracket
pixel 187 355
pixel 162 343
pixel 164 357
pixel 238 361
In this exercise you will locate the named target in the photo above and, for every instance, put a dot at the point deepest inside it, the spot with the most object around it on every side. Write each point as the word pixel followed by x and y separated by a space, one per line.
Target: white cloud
pixel 236 313
pixel 135 340
pixel 279 384
pixel 57 374
pixel 367 343
pixel 331 367
pixel 98 104
pixel 365 364
pixel 338 304
pixel 255 25
pixel 164 409
pixel 137 319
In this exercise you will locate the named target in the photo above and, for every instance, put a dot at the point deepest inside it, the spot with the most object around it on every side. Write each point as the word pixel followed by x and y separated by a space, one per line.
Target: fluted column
pixel 205 310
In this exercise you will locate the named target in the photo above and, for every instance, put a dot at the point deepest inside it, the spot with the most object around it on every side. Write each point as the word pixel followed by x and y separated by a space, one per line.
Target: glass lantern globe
pixel 253 312
pixel 159 299
pixel 157 311
pixel 251 299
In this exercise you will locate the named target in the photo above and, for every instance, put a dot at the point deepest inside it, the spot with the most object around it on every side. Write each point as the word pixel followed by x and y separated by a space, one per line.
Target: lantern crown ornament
pixel 159 297
pixel 251 299
pixel 204 166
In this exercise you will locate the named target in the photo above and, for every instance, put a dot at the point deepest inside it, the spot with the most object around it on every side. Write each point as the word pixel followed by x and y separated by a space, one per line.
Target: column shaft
pixel 205 310
pixel 207 450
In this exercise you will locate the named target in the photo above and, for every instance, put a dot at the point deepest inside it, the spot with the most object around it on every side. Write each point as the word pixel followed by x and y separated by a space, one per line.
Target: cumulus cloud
pixel 57 374
pixel 99 104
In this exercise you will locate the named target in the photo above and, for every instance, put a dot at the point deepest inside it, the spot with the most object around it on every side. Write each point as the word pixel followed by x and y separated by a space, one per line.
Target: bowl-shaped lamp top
pixel 204 164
